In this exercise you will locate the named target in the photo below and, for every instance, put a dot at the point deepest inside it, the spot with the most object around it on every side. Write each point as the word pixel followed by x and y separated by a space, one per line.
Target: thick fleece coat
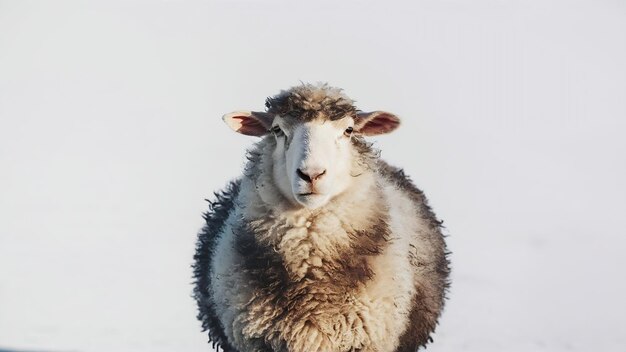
pixel 366 272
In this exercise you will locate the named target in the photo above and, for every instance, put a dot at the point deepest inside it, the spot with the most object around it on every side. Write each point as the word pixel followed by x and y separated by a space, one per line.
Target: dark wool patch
pixel 365 244
pixel 260 262
pixel 266 275
pixel 215 217
pixel 308 102
pixel 353 267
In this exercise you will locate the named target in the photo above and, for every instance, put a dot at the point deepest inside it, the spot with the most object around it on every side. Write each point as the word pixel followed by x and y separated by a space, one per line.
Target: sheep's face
pixel 316 159
pixel 313 159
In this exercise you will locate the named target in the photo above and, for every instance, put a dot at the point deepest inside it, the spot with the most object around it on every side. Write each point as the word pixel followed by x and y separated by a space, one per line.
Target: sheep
pixel 320 245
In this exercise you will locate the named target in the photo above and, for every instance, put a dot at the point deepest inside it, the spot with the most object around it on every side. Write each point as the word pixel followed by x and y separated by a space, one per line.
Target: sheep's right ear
pixel 250 123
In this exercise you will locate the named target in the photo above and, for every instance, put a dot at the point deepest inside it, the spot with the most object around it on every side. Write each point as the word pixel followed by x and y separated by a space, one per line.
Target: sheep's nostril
pixel 319 175
pixel 303 176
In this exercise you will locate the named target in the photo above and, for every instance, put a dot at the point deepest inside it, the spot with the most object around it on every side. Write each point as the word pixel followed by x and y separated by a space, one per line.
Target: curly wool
pixel 309 101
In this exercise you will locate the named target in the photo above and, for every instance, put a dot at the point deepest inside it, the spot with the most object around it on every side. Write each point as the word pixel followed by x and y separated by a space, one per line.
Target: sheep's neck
pixel 331 242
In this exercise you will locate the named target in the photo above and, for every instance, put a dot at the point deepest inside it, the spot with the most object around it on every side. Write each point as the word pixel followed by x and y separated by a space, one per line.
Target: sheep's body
pixel 366 272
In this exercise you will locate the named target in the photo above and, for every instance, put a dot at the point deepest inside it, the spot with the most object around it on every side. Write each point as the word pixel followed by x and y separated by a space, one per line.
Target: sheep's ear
pixel 251 123
pixel 375 122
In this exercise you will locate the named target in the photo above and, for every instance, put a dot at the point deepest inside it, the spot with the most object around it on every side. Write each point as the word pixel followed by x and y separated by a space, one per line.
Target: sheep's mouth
pixel 311 200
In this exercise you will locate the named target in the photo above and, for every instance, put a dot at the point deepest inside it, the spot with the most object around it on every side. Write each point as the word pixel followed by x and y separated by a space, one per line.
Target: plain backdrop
pixel 514 121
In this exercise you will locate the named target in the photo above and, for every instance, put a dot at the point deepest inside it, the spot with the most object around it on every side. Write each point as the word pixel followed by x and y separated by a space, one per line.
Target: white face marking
pixel 313 160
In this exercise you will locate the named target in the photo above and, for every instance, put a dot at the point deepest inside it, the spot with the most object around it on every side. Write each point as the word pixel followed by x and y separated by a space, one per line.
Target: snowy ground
pixel 110 138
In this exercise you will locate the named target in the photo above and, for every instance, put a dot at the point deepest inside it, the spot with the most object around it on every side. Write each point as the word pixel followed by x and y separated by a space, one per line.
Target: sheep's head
pixel 317 135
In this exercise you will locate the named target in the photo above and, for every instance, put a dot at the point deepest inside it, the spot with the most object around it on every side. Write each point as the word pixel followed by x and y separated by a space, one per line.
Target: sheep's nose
pixel 311 175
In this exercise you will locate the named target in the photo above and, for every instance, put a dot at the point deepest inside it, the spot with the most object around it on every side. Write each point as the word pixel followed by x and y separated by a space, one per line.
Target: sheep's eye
pixel 349 131
pixel 276 130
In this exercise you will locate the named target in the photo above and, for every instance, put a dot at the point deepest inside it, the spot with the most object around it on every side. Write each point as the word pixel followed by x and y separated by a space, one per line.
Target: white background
pixel 514 121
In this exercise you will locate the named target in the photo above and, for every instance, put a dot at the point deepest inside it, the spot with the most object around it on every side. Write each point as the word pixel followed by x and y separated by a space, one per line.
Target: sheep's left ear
pixel 375 122
pixel 250 123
